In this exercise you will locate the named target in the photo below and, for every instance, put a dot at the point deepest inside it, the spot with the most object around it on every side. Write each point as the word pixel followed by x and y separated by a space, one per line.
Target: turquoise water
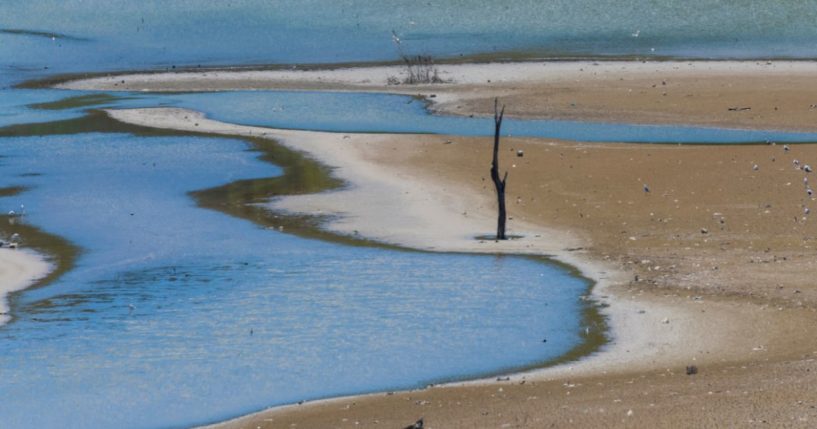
pixel 350 112
pixel 124 34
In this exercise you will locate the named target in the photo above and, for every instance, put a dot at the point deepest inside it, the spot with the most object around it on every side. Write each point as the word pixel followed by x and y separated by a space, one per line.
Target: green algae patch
pixel 10 191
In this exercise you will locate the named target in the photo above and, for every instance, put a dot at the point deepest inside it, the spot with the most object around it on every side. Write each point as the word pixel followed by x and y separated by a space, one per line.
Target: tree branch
pixel 499 184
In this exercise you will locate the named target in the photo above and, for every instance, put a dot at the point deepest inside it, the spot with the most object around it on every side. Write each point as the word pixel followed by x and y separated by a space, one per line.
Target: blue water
pixel 326 319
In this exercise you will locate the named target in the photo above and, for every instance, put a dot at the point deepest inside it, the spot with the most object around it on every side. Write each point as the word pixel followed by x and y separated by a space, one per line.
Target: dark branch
pixel 499 184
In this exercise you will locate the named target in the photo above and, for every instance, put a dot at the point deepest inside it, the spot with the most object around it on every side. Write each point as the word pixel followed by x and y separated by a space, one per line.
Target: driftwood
pixel 419 68
pixel 499 183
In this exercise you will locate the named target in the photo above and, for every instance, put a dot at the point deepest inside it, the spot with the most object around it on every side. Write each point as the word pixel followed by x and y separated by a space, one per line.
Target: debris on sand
pixel 417 425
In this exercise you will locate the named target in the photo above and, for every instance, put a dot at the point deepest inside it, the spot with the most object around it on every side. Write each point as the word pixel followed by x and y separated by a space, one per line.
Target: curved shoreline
pixel 42 259
pixel 218 198
pixel 429 230
pixel 659 330
pixel 351 215
pixel 722 328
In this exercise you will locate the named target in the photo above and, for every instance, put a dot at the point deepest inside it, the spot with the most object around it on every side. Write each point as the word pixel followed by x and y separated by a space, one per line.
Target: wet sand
pixel 723 255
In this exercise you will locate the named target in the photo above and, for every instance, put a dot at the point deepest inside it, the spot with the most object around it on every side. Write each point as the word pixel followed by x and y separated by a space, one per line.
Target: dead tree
pixel 499 183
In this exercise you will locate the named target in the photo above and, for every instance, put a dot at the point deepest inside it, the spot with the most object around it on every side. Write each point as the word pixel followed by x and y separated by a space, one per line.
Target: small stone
pixel 417 425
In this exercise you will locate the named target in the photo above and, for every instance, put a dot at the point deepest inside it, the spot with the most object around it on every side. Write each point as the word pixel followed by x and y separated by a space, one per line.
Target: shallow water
pixel 102 35
pixel 351 112
pixel 366 112
pixel 228 317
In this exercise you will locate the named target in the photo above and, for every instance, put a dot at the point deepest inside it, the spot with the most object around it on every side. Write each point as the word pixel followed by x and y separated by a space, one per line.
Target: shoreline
pixel 365 184
pixel 496 57
pixel 150 130
pixel 19 270
pixel 775 95
pixel 398 193
pixel 717 332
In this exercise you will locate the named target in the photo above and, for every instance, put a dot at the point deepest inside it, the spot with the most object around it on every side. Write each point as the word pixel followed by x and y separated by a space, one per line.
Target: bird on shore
pixel 646 188
pixel 14 215
pixel 807 168
pixel 14 241
pixel 785 148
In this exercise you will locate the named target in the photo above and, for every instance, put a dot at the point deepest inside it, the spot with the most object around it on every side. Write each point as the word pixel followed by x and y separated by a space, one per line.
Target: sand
pixel 723 255
pixel 19 269
pixel 764 95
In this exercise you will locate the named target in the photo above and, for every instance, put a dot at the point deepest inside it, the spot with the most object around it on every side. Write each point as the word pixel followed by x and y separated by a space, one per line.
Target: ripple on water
pixel 172 310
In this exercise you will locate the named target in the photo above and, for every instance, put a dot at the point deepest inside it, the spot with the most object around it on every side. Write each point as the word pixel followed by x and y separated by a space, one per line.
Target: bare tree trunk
pixel 499 183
